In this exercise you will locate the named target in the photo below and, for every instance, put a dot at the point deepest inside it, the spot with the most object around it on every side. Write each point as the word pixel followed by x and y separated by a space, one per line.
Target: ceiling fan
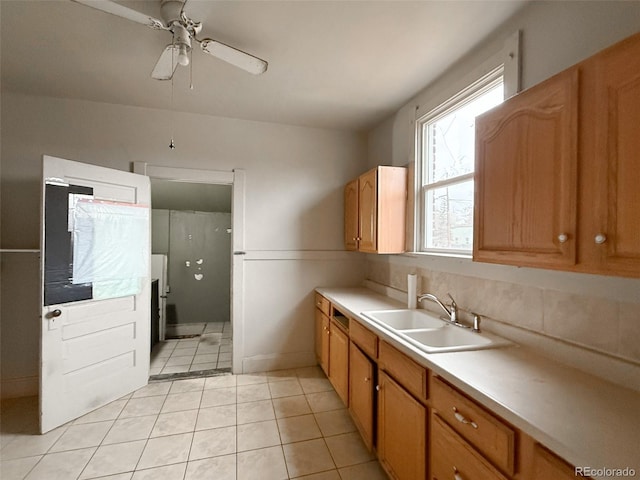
pixel 184 31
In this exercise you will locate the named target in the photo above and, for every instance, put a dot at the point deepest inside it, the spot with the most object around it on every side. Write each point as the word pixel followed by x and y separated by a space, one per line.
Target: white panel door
pixel 92 351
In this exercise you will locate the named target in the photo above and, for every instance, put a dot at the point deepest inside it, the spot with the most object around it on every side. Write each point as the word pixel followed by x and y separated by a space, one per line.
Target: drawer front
pixel 365 339
pixel 408 373
pixel 323 304
pixel 494 439
pixel 453 459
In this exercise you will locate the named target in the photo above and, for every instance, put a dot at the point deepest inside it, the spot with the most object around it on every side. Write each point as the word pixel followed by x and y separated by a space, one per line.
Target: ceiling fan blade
pixel 235 57
pixel 166 64
pixel 118 10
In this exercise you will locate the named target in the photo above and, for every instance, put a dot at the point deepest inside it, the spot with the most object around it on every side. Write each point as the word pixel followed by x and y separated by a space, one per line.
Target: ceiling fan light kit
pixel 184 30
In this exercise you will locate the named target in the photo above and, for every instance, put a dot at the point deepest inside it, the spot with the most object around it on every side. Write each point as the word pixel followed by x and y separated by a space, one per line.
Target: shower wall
pixel 198 245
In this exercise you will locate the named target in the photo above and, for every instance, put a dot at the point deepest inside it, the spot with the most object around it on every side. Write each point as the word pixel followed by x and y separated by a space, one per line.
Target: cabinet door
pixel 339 361
pixel 368 221
pixel 526 177
pixel 547 465
pixel 402 432
pixel 322 340
pixel 351 235
pixel 361 378
pixel 611 199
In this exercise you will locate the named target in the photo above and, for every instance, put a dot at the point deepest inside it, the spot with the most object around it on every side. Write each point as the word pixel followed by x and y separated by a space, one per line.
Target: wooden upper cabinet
pixel 557 170
pixel 526 177
pixel 368 207
pixel 610 145
pixel 375 211
pixel 351 215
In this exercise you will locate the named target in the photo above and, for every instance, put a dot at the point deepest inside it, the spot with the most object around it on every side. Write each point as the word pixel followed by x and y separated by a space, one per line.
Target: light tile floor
pixel 211 350
pixel 270 426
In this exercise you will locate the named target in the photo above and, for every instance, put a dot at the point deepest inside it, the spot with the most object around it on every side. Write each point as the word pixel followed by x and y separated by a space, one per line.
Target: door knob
pixel 54 314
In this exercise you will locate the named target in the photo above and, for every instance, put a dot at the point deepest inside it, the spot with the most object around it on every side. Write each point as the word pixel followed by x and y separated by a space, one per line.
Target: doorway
pixel 197 209
pixel 191 239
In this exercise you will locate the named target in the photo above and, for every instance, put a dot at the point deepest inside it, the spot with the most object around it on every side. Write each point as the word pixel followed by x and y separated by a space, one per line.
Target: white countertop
pixel 582 418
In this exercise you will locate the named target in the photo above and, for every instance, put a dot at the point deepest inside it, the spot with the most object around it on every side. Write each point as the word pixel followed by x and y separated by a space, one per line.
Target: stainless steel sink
pixel 431 334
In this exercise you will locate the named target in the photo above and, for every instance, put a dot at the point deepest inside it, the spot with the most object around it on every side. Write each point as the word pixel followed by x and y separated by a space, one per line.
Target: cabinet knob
pixel 563 237
pixel 366 379
pixel 377 388
pixel 600 238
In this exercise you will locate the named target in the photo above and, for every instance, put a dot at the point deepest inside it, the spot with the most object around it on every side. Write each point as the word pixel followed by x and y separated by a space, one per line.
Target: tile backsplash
pixel 596 323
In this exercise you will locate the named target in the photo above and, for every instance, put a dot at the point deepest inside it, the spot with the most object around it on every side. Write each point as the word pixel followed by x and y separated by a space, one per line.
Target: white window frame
pixel 462 98
pixel 438 97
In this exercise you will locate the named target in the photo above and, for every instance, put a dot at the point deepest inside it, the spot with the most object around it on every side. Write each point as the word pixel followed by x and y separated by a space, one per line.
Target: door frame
pixel 235 178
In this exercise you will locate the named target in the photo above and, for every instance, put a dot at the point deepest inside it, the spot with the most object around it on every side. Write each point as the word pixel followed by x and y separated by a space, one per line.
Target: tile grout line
pixel 151 431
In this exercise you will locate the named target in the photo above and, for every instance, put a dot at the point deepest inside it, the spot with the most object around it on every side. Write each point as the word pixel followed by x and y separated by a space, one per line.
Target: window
pixel 446 154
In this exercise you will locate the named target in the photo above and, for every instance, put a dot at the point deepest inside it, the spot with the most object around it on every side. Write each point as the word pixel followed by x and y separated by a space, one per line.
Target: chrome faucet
pixel 452 312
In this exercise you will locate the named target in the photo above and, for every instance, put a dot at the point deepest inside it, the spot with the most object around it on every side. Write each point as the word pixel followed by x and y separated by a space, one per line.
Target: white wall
pixel 598 314
pixel 294 189
pixel 555 35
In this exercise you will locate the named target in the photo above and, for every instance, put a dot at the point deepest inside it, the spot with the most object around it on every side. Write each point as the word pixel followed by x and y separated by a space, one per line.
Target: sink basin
pixel 432 334
pixel 405 319
pixel 451 339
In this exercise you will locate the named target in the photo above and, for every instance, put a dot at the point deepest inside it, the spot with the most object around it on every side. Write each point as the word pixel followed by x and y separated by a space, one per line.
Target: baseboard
pixel 278 361
pixel 19 387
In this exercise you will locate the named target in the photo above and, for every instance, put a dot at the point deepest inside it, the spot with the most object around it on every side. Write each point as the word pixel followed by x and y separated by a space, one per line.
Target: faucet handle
pixel 476 322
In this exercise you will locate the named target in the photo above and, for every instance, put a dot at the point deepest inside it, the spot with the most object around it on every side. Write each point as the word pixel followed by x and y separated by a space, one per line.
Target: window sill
pixel 457 256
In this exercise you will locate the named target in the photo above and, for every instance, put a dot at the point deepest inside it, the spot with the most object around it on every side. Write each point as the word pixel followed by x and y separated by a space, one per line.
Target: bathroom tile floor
pixel 269 426
pixel 211 350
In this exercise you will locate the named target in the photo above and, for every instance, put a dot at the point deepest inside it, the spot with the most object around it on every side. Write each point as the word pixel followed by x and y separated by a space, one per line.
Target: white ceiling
pixel 332 64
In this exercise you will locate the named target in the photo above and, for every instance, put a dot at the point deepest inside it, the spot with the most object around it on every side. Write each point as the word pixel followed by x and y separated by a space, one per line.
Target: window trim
pixel 469 93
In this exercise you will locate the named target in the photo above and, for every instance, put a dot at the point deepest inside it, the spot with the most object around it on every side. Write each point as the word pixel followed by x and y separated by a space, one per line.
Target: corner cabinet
pixel 557 170
pixel 375 210
pixel 526 171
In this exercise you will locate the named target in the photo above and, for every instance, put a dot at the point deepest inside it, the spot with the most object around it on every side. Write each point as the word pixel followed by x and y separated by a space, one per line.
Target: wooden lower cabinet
pixel 361 393
pixel 402 431
pixel 488 434
pixel 547 465
pixel 454 459
pixel 322 340
pixel 419 425
pixel 339 361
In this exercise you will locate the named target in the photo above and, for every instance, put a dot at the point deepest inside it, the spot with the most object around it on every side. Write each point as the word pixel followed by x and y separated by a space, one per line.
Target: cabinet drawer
pixel 453 459
pixel 365 339
pixel 488 434
pixel 323 304
pixel 408 373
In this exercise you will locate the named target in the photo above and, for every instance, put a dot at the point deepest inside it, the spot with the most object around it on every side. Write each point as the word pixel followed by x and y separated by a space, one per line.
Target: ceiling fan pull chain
pixel 191 69
pixel 172 145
